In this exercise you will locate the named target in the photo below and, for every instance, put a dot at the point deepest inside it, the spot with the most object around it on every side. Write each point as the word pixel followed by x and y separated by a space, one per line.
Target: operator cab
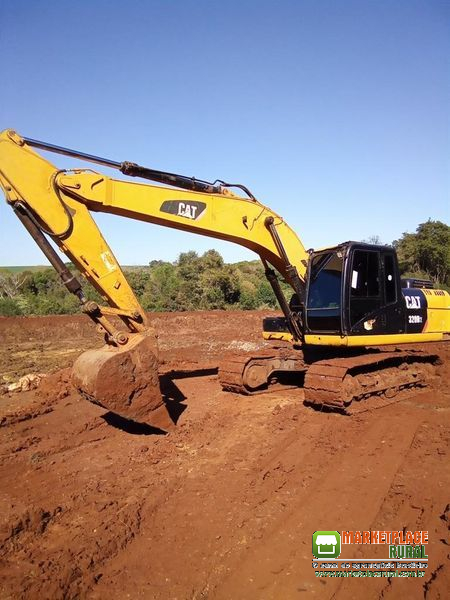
pixel 354 289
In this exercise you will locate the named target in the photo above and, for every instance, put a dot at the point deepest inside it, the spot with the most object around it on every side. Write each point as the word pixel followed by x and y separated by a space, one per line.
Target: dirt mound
pixel 31 404
pixel 55 386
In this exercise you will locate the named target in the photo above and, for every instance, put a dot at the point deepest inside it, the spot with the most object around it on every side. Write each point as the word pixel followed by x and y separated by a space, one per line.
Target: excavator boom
pixel 56 204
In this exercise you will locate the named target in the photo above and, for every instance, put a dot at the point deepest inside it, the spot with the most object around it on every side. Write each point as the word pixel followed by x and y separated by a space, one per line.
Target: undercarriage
pixel 348 383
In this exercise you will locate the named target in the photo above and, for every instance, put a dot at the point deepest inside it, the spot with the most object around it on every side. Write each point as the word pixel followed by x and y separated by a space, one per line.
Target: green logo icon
pixel 326 544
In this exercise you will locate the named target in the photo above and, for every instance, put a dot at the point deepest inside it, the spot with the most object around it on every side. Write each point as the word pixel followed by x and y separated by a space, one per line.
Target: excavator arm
pixel 57 204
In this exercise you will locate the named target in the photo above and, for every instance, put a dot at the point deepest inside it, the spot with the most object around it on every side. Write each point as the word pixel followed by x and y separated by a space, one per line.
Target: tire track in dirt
pixel 344 494
pixel 234 485
pixel 410 505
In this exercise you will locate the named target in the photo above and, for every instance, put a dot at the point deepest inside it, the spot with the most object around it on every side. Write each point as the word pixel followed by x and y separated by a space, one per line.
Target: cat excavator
pixel 341 333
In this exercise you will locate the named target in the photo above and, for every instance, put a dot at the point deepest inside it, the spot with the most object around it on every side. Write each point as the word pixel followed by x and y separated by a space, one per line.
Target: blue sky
pixel 334 113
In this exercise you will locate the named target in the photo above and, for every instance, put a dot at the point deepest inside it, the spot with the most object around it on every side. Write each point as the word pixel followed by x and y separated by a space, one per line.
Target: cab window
pixel 325 283
pixel 365 289
pixel 324 292
pixel 365 277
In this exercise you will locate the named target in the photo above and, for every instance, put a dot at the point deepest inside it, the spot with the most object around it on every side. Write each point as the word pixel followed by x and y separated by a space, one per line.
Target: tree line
pixel 192 282
pixel 205 282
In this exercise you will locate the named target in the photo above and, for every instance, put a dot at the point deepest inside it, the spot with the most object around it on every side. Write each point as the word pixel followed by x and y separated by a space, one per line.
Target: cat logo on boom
pixel 188 210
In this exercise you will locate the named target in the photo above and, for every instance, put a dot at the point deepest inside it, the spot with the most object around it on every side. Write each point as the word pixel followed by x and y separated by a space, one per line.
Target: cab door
pixel 373 292
pixel 365 297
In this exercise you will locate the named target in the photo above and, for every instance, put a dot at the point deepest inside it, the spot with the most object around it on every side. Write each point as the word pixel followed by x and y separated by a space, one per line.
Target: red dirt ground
pixel 225 504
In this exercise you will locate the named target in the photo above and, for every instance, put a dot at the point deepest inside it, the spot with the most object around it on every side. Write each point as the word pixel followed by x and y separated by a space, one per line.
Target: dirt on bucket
pixel 121 379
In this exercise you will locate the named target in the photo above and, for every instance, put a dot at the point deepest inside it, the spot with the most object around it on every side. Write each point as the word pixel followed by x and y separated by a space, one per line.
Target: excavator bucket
pixel 124 380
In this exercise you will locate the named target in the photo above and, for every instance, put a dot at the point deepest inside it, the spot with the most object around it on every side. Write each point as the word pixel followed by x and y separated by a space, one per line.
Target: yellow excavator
pixel 347 300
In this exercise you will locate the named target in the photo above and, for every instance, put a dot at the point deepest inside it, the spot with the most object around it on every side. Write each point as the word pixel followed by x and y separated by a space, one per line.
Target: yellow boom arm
pixel 59 202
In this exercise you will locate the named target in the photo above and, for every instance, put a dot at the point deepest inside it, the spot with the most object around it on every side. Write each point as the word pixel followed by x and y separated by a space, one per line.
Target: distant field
pixel 21 269
pixel 34 268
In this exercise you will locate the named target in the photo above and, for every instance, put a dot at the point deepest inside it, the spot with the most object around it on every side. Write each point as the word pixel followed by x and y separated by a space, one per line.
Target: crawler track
pixel 345 384
pixel 368 381
pixel 249 374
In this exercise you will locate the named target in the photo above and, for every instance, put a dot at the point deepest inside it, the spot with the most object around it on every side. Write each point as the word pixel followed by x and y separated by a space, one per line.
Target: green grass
pixel 35 268
pixel 21 269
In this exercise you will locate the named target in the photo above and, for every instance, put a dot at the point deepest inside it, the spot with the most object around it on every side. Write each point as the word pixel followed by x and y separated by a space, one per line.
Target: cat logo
pixel 412 302
pixel 188 210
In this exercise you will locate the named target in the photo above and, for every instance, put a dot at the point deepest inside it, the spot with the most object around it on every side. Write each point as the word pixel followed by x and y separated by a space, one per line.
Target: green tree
pixel 264 295
pixel 212 259
pixel 248 299
pixel 426 252
pixel 162 288
pixel 139 279
pixel 189 269
pixel 9 307
pixel 220 286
